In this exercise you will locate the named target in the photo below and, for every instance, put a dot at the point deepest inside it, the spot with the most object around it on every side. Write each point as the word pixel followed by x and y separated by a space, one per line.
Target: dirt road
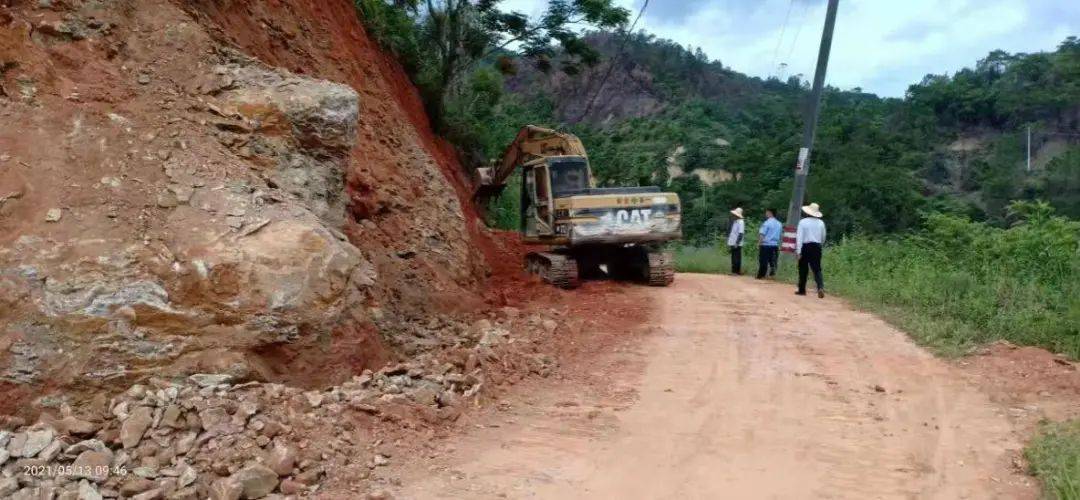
pixel 742 390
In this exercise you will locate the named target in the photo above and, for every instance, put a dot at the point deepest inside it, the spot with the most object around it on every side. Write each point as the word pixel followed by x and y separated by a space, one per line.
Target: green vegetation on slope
pixel 439 42
pixel 1055 458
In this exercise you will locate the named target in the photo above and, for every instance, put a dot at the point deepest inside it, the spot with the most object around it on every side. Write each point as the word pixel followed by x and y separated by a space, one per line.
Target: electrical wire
pixel 611 67
pixel 795 41
pixel 783 29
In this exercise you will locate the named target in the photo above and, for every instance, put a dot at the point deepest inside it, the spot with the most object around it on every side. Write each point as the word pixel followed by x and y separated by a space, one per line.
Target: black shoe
pixel 821 294
pixel 800 293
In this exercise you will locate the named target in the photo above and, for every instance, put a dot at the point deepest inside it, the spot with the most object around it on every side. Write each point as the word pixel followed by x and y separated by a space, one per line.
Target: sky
pixel 881 46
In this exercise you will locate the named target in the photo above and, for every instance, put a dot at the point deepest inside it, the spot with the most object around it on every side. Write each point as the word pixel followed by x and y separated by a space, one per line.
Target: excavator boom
pixel 531 143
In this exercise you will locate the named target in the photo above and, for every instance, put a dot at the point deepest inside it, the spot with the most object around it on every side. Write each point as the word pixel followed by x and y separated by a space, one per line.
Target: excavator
pixel 616 232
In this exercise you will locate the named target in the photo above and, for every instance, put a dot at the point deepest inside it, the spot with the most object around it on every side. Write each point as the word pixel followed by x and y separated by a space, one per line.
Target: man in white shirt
pixel 735 240
pixel 809 238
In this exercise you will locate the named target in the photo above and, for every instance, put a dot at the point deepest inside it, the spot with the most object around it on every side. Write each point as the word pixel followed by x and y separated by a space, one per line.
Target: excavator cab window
pixel 569 177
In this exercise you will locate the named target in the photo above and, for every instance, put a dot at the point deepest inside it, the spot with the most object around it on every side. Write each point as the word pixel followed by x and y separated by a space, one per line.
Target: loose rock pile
pixel 207 438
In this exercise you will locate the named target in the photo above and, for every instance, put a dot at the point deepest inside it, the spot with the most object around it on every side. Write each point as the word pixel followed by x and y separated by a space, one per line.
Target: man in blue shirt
pixel 768 244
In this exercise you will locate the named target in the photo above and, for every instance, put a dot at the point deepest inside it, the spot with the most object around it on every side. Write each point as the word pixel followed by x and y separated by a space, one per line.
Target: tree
pixel 450 36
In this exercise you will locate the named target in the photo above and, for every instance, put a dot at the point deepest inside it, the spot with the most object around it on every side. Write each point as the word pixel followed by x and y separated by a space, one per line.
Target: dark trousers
pixel 766 261
pixel 736 260
pixel 810 259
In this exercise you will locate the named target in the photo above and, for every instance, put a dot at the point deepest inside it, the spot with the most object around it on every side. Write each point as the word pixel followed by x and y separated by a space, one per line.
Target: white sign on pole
pixel 803 154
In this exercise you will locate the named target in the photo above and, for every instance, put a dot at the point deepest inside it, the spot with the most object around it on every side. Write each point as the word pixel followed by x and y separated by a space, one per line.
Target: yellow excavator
pixel 617 232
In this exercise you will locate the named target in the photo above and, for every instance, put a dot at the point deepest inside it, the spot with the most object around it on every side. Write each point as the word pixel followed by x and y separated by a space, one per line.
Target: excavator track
pixel 661 270
pixel 559 270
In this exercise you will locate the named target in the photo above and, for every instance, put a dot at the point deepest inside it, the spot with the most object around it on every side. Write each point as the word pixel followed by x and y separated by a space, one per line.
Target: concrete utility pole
pixel 802 167
pixel 1029 148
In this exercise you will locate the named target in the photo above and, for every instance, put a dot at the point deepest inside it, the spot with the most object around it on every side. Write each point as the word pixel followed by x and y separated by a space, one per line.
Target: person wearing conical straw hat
pixel 735 240
pixel 809 237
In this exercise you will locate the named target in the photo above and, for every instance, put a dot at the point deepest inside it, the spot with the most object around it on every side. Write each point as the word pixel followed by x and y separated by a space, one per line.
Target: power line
pixel 614 60
pixel 795 41
pixel 783 29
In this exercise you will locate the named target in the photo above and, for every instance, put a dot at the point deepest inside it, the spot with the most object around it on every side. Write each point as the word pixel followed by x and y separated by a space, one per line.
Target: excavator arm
pixel 531 143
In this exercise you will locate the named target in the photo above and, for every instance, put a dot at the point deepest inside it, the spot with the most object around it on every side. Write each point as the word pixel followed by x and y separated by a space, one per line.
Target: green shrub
pixel 393 29
pixel 1054 457
pixel 504 211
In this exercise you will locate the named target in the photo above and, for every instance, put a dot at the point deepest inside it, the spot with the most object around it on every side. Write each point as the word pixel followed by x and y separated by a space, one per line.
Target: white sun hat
pixel 737 212
pixel 812 210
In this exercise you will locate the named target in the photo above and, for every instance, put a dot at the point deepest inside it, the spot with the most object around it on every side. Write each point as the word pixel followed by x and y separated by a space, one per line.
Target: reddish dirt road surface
pixel 739 389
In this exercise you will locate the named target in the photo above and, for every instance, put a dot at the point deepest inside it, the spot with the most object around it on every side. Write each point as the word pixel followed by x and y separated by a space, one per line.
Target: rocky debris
pixel 76 426
pixel 27 444
pixel 256 480
pixel 226 489
pixel 135 425
pixel 205 436
pixel 54 215
pixel 93 465
pixel 205 380
pixel 136 485
pixel 8 486
pixel 85 491
pixel 281 460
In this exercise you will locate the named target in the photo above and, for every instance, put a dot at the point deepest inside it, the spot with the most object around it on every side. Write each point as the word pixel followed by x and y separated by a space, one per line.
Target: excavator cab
pixel 536 212
pixel 545 181
pixel 569 175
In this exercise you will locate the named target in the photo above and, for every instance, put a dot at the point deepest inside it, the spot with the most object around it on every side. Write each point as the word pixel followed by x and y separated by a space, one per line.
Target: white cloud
pixel 882 46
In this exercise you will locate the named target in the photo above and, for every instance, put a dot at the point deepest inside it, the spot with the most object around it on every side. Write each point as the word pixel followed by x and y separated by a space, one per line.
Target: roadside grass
pixel 717 260
pixel 1054 456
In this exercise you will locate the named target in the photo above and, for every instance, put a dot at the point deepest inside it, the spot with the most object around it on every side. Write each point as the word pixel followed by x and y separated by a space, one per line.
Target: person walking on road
pixel 735 241
pixel 809 238
pixel 768 244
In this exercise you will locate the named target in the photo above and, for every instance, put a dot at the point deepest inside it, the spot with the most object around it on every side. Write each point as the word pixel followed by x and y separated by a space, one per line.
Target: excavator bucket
pixel 486 187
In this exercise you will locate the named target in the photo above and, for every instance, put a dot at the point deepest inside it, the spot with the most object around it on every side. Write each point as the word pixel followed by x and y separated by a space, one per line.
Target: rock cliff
pixel 243 187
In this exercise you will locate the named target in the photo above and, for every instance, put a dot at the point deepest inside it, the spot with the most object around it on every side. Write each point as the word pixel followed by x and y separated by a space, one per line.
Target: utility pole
pixel 802 167
pixel 1029 149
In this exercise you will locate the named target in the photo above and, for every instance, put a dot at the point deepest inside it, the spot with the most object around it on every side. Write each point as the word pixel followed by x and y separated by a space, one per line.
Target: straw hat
pixel 737 212
pixel 812 210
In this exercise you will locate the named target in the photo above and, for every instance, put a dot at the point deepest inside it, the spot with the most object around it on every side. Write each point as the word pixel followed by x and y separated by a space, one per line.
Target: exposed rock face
pixel 173 205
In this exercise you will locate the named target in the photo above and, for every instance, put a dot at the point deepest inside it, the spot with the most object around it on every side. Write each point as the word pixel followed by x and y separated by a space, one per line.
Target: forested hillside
pixel 653 112
pixel 954 144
